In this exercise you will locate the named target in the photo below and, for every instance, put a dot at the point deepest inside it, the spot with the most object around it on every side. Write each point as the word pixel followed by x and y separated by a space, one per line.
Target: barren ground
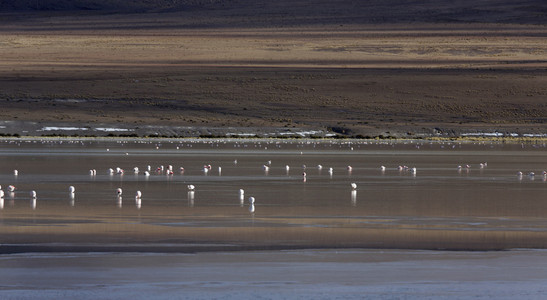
pixel 406 80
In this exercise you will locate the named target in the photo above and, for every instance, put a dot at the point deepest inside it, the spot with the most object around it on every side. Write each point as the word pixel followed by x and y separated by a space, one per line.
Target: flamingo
pixel 252 205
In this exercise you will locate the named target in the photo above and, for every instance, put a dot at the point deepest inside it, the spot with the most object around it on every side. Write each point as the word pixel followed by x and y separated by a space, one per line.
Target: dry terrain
pixel 347 72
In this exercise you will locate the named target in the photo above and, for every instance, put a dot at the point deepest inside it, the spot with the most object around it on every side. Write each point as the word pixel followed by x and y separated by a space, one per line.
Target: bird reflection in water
pixel 191 198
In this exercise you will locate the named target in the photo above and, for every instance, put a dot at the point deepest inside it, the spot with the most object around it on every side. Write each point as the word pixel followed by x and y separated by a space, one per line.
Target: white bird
pixel 241 192
pixel 119 192
pixel 331 171
pixel 219 170
pixel 146 173
pixel 413 170
pixel 319 167
pixel 15 172
pixel 353 185
pixel 110 171
pixel 191 187
pixel 33 194
pixel 350 168
pixel 71 189
pixel 1 194
pixel 11 188
pixel 251 200
pixel 136 170
pixel 265 168
pixel 138 194
pixel 382 168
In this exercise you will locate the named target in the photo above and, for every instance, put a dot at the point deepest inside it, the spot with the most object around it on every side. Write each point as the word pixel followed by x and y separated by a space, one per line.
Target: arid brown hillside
pixel 357 68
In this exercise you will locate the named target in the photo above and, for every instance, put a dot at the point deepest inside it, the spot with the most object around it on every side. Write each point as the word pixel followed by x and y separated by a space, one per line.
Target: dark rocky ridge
pixel 308 12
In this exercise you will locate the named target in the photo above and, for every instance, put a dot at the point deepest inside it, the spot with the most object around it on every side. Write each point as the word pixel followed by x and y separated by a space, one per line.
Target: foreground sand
pixel 317 274
pixel 354 80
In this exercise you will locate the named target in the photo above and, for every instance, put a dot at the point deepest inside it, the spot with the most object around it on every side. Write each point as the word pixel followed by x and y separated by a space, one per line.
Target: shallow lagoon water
pixel 439 207
pixel 188 241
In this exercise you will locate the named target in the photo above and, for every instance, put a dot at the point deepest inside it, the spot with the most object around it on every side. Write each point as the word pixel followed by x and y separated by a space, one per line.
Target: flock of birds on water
pixel 207 168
